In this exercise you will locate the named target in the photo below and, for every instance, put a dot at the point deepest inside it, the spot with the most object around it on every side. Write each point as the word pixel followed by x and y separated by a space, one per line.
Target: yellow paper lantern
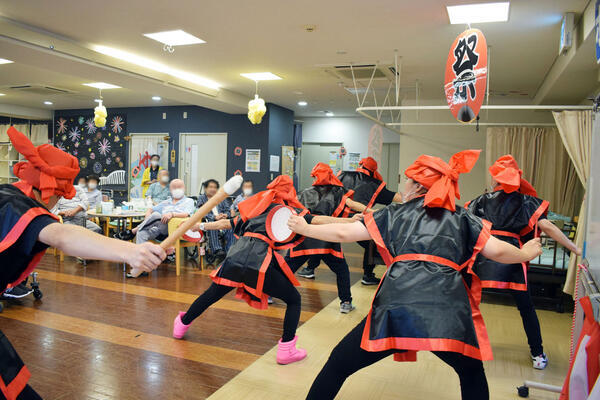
pixel 100 115
pixel 256 110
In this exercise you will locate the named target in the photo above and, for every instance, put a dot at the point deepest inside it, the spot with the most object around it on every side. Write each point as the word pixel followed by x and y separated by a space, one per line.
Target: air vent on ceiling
pixel 40 89
pixel 362 72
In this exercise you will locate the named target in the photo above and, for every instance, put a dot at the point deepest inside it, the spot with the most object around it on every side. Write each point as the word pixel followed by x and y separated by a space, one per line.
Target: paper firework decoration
pixel 100 115
pixel 256 110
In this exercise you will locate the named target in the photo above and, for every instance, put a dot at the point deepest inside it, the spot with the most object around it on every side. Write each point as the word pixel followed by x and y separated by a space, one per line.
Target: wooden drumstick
pixel 230 187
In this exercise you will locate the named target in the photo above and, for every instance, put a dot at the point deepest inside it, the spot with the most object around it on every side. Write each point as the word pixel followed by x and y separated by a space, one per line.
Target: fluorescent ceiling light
pixel 483 12
pixel 329 114
pixel 261 76
pixel 102 85
pixel 155 66
pixel 174 38
pixel 97 100
pixel 156 98
pixel 302 103
pixel 48 103
pixel 5 61
pixel 2 94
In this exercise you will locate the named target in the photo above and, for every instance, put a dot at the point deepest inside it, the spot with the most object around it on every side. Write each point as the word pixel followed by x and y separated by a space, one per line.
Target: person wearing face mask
pixel 150 175
pixel 94 195
pixel 247 191
pixel 159 191
pixel 27 229
pixel 219 241
pixel 73 210
pixel 428 299
pixel 156 221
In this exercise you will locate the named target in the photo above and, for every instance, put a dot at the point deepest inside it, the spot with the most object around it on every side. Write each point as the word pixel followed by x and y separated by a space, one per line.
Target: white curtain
pixel 39 134
pixel 575 128
pixel 24 128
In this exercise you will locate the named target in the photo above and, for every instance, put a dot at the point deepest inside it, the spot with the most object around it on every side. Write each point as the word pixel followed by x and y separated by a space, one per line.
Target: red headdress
pixel 281 190
pixel 369 166
pixel 47 168
pixel 324 175
pixel 506 172
pixel 441 179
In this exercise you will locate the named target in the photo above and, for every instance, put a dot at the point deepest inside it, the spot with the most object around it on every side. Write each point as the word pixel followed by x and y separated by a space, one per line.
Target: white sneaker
pixel 346 307
pixel 540 362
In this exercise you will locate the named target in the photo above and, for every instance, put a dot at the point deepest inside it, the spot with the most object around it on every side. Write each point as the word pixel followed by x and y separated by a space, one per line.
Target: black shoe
pixel 17 292
pixel 124 235
pixel 220 254
pixel 370 280
pixel 307 273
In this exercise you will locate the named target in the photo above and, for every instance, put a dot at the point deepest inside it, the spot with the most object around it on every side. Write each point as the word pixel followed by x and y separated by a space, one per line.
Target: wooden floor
pixel 96 335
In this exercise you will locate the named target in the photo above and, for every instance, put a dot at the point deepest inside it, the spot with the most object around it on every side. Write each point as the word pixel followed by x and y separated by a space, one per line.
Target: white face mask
pixel 164 179
pixel 154 163
pixel 82 185
pixel 247 192
pixel 177 193
pixel 91 186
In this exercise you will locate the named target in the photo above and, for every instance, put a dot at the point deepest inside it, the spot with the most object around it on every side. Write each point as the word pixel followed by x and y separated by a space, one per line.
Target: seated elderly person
pixel 94 196
pixel 247 191
pixel 159 190
pixel 156 222
pixel 216 249
pixel 73 211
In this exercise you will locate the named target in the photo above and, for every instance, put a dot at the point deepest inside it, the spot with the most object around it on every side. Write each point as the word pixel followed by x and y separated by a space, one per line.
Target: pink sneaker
pixel 179 328
pixel 287 352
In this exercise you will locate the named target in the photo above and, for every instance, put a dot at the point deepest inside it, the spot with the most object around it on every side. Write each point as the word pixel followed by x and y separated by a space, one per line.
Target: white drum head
pixel 277 224
pixel 192 236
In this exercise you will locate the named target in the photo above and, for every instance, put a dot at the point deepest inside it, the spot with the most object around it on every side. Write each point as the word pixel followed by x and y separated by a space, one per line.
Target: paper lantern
pixel 100 115
pixel 256 110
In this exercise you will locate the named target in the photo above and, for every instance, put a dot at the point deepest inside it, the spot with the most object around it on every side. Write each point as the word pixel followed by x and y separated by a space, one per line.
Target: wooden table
pixel 121 218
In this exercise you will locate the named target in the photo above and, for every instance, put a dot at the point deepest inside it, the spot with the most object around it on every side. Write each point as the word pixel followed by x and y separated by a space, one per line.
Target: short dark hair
pixel 209 181
pixel 154 155
pixel 80 178
pixel 248 181
pixel 93 178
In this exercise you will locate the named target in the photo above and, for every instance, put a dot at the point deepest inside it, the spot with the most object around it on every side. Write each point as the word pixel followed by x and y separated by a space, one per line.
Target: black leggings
pixel 368 255
pixel 348 358
pixel 276 285
pixel 531 324
pixel 338 266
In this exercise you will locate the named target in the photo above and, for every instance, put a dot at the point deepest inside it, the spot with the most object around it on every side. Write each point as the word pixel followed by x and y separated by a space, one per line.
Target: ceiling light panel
pixel 174 38
pixel 261 76
pixel 102 85
pixel 478 13
pixel 5 61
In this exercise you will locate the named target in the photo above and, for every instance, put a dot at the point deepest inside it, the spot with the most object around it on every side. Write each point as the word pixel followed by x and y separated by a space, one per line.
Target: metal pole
pixel 493 107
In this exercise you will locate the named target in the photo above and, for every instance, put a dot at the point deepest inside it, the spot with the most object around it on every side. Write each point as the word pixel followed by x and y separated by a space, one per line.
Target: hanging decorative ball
pixel 256 110
pixel 100 115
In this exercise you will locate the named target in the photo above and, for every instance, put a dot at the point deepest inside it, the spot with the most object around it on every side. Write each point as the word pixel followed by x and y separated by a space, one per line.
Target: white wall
pixel 353 132
pixel 440 141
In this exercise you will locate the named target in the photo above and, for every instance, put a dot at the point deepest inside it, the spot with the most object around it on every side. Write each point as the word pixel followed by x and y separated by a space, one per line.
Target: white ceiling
pixel 268 35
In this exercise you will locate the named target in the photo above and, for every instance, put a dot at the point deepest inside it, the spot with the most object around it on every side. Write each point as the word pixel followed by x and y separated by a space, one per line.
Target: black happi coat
pixel 329 200
pixel 429 297
pixel 250 258
pixel 17 211
pixel 514 217
pixel 366 188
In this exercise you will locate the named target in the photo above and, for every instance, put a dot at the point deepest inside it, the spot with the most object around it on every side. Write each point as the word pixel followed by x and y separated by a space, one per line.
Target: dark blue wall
pixel 275 130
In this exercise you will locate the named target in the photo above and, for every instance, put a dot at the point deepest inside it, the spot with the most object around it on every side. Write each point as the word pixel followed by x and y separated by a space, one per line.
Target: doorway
pixel 390 161
pixel 202 156
pixel 312 153
pixel 142 146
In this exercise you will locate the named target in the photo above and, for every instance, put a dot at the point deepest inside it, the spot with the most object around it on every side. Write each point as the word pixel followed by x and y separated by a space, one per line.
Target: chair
pixel 61 255
pixel 182 243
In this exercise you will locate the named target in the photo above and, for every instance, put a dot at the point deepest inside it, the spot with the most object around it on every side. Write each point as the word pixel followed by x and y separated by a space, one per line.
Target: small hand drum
pixel 277 228
pixel 192 236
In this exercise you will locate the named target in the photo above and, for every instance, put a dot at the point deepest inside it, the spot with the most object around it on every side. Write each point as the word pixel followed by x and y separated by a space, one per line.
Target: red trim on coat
pixel 30 267
pixel 502 284
pixel 286 269
pixel 427 257
pixel 542 209
pixel 374 197
pixel 312 252
pixel 262 271
pixel 17 230
pixel 484 352
pixel 376 236
pixel 407 356
pixel 340 208
pixel 16 386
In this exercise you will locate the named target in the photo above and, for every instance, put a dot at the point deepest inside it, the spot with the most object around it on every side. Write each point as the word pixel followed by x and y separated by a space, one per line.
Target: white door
pixel 141 147
pixel 202 156
pixel 312 153
pixel 390 160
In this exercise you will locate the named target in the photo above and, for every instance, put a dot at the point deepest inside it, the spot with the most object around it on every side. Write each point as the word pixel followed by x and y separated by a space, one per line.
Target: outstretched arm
pixel 213 226
pixel 555 233
pixel 80 242
pixel 341 233
pixel 356 206
pixel 505 253
pixel 324 219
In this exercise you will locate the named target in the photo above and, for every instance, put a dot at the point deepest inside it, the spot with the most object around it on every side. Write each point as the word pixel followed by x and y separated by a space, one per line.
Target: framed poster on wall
pixel 252 160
